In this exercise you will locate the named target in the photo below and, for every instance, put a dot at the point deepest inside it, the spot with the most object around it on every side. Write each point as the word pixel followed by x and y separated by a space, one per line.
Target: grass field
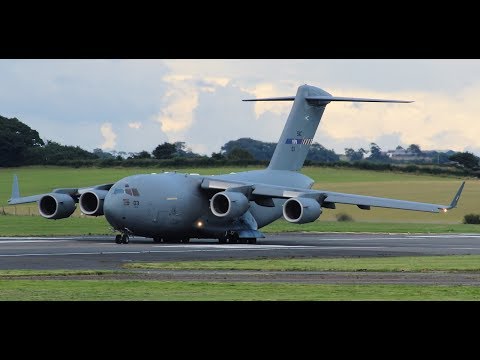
pixel 13 289
pixel 436 189
pixel 383 264
pixel 138 290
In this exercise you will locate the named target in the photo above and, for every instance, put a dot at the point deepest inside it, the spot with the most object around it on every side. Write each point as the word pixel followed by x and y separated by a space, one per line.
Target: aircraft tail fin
pixel 308 106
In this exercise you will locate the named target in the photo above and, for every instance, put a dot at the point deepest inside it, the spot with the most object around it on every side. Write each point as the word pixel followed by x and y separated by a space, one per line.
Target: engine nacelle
pixel 229 204
pixel 56 206
pixel 301 210
pixel 91 202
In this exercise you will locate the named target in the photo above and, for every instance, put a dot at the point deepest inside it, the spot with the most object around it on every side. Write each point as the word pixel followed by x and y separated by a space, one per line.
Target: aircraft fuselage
pixel 173 205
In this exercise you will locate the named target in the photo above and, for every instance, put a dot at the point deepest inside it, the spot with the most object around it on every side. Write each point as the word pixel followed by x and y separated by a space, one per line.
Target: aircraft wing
pixel 327 199
pixel 73 192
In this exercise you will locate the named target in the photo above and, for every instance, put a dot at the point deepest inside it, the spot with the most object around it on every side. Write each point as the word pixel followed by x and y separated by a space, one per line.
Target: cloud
pixel 135 125
pixel 433 121
pixel 264 90
pixel 65 99
pixel 109 136
pixel 199 100
pixel 180 101
pixel 222 116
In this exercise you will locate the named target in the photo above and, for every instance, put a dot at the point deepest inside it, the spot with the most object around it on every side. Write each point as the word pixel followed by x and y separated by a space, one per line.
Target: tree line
pixel 21 145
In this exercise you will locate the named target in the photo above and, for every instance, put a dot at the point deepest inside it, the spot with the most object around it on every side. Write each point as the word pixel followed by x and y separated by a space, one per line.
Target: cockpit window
pixel 128 191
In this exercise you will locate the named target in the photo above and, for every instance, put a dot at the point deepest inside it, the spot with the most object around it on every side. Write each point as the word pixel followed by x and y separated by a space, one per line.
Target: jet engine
pixel 91 202
pixel 56 206
pixel 229 204
pixel 301 210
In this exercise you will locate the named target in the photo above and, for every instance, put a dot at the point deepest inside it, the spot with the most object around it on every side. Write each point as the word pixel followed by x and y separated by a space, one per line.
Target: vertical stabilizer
pixel 298 133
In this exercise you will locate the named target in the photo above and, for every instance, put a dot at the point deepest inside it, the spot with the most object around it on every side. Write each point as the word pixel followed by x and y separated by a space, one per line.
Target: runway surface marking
pixel 36 238
pixel 29 241
pixel 446 236
pixel 239 246
pixel 363 248
pixel 167 249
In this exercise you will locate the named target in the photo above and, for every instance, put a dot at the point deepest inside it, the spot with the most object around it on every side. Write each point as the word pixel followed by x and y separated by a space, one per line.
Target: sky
pixel 134 105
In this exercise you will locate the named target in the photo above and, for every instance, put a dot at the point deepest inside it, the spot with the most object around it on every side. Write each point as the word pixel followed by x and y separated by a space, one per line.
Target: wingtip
pixel 15 189
pixel 456 197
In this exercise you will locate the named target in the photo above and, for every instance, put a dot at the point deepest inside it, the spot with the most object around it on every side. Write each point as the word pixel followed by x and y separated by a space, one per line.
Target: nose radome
pixel 112 211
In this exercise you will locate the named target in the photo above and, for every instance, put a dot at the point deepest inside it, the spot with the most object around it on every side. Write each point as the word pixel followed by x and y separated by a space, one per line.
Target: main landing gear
pixel 122 239
pixel 157 239
pixel 234 239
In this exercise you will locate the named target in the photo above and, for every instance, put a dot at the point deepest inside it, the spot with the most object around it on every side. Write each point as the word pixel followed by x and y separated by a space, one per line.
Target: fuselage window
pixel 118 191
pixel 135 192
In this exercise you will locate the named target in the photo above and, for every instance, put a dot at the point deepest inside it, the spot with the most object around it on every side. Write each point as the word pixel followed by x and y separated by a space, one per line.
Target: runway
pixel 101 252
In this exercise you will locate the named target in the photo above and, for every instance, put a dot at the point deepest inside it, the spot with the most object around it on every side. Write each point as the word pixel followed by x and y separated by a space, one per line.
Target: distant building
pixel 400 154
pixel 428 156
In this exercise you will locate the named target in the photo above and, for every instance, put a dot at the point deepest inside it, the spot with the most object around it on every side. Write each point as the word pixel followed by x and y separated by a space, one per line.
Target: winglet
pixel 456 198
pixel 15 188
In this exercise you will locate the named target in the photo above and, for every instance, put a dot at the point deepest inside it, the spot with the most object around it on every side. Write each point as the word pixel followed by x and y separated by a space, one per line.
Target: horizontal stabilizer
pixel 338 98
pixel 285 98
pixel 330 98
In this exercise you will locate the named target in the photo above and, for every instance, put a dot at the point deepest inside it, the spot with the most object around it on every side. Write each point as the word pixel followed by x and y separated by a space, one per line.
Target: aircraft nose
pixel 112 210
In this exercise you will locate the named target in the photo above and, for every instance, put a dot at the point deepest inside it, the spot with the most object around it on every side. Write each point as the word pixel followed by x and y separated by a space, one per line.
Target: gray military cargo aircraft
pixel 176 207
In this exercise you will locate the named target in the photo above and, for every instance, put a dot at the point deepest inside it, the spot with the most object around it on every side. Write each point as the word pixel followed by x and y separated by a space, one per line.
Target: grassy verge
pixel 38 226
pixel 128 290
pixel 16 273
pixel 93 290
pixel 391 264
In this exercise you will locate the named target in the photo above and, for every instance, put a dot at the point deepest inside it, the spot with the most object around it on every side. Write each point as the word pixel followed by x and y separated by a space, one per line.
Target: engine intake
pixel 229 204
pixel 91 202
pixel 56 206
pixel 301 210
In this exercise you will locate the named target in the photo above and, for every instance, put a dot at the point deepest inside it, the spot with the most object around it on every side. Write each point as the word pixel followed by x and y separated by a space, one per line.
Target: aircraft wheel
pixel 251 241
pixel 157 239
pixel 222 240
pixel 125 239
pixel 185 241
pixel 118 239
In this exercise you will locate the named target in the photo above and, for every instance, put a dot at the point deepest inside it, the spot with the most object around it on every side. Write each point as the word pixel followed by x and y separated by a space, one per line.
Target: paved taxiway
pixel 100 252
